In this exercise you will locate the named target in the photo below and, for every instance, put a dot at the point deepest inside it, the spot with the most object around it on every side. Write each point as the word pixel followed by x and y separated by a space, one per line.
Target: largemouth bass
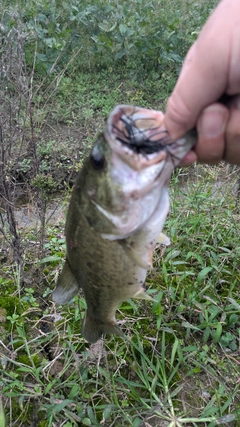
pixel 116 214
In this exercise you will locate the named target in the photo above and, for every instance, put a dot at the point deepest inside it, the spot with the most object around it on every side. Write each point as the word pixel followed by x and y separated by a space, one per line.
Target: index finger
pixel 209 69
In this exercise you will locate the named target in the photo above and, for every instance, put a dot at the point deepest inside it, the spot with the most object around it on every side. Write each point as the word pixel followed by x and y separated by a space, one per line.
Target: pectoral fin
pixel 67 286
pixel 133 254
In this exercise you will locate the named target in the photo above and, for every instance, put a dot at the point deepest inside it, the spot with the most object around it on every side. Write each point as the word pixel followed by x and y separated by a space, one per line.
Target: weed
pixel 72 63
pixel 187 340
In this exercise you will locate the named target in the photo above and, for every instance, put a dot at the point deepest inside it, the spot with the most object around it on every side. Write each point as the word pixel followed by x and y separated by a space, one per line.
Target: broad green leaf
pixel 50 258
pixel 203 273
pixel 218 333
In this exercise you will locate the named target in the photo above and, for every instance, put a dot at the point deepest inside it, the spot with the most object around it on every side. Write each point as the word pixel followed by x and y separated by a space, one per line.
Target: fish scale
pixel 116 214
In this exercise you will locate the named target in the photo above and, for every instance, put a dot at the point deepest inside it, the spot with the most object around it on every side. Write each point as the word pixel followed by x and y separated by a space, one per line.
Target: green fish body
pixel 117 210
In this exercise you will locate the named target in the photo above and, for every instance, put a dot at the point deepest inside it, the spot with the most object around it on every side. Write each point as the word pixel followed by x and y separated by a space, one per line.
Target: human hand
pixel 211 69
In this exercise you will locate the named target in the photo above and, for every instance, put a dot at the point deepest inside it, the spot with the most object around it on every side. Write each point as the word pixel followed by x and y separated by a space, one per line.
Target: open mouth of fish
pixel 138 131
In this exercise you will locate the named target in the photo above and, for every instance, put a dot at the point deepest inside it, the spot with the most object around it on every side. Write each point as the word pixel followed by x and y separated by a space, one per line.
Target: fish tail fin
pixel 93 329
pixel 67 286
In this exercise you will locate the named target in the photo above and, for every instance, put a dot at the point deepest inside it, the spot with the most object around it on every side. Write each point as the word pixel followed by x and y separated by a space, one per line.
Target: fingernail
pixel 212 122
pixel 188 159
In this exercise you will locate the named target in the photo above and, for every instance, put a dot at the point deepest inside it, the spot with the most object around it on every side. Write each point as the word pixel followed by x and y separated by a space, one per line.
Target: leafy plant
pixel 64 66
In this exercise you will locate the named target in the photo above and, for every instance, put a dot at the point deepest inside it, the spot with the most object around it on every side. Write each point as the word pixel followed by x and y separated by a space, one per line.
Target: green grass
pixel 179 365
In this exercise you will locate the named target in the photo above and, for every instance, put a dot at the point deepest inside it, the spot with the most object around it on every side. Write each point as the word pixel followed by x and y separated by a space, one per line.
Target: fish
pixel 117 210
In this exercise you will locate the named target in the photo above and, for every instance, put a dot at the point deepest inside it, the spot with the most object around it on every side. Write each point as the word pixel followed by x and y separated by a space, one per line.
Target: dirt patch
pixel 56 155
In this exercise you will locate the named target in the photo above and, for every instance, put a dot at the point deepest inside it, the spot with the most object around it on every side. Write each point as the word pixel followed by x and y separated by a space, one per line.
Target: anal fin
pixel 141 294
pixel 163 239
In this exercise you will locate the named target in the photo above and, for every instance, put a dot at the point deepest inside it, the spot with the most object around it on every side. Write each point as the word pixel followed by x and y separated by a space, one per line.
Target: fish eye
pixel 97 159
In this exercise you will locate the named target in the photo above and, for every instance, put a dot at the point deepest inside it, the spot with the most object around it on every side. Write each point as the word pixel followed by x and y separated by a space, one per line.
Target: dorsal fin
pixel 67 286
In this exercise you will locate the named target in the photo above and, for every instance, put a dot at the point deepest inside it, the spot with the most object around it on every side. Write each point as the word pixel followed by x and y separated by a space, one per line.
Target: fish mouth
pixel 137 132
pixel 139 136
pixel 139 129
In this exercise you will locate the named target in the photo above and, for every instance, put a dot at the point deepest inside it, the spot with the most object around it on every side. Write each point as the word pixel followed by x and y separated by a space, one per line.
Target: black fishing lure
pixel 138 141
